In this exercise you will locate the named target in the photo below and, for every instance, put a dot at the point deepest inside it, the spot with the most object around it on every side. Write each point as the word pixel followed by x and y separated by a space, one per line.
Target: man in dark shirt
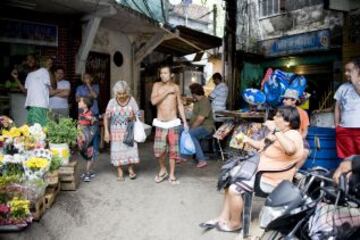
pixel 201 122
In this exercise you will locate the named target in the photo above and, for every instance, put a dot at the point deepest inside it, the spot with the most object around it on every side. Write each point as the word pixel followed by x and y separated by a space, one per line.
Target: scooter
pixel 289 210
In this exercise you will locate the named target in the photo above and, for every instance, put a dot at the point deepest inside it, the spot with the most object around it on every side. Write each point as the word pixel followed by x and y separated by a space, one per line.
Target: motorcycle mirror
pixel 343 183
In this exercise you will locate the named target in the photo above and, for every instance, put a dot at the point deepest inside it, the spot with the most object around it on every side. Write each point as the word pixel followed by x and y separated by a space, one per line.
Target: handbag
pixel 246 168
pixel 239 168
pixel 129 138
pixel 139 131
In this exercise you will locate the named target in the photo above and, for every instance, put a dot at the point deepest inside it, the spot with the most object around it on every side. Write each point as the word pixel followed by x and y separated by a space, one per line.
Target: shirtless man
pixel 166 97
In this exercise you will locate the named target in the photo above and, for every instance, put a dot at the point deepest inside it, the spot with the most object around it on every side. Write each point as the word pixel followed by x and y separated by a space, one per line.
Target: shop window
pixel 292 5
pixel 270 8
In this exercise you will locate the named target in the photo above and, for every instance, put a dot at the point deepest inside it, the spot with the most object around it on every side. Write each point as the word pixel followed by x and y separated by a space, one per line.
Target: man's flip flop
pixel 162 177
pixel 173 181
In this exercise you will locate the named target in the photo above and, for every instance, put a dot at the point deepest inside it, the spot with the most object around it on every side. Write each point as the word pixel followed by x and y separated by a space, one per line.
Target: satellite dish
pixel 175 2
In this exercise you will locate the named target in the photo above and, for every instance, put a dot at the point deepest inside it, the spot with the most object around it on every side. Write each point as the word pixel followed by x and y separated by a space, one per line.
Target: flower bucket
pixel 62 150
pixel 52 178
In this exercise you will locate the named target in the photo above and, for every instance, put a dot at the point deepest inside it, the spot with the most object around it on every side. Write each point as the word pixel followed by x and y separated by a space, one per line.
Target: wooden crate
pixel 38 208
pixel 68 177
pixel 51 194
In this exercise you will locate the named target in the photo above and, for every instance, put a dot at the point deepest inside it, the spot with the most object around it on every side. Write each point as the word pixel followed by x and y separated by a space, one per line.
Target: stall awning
pixel 186 41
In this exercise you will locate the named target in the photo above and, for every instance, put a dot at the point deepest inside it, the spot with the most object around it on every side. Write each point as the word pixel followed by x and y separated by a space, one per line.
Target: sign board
pixel 319 40
pixel 14 31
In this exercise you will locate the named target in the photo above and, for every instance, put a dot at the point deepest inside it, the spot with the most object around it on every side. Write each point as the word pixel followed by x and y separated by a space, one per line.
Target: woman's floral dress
pixel 121 154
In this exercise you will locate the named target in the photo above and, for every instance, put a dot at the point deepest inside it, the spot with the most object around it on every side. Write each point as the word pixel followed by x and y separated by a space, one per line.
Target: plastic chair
pixel 258 192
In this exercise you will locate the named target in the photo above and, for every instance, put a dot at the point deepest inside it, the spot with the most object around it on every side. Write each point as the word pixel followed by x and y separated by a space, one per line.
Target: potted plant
pixel 61 135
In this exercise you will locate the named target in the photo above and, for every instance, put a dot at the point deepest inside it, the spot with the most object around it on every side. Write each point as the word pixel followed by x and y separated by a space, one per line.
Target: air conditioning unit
pixel 342 5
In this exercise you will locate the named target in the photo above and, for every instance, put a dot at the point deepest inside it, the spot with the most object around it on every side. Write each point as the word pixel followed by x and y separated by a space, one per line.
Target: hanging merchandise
pixel 254 96
pixel 274 89
pixel 266 78
pixel 299 84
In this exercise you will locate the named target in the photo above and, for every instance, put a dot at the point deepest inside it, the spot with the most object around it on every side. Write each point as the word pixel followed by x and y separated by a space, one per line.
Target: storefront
pixel 40 34
pixel 309 54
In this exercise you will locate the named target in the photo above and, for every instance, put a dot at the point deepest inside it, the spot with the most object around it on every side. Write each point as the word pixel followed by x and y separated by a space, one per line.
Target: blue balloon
pixel 254 96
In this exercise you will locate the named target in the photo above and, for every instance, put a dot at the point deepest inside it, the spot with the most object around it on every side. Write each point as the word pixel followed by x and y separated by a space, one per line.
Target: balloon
pixel 254 96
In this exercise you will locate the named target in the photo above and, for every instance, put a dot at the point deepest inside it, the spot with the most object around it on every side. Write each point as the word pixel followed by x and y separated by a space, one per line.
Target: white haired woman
pixel 119 112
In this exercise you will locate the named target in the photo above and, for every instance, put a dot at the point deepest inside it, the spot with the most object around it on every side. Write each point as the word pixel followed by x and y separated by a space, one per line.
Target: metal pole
pixel 214 19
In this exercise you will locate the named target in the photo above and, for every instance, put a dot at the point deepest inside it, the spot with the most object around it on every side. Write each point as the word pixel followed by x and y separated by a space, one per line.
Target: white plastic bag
pixel 139 131
pixel 187 146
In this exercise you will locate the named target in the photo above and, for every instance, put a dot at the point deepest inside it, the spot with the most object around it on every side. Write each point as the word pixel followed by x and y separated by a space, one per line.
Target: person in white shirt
pixel 219 95
pixel 37 89
pixel 347 111
pixel 59 102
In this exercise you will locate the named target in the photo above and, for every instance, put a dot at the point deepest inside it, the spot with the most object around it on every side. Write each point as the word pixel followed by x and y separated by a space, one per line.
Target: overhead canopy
pixel 186 41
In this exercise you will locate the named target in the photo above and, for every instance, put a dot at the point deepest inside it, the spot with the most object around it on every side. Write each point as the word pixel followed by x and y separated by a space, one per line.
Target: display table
pixel 248 116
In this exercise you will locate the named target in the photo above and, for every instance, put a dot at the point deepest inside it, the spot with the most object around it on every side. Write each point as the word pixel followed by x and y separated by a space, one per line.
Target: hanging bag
pixel 187 146
pixel 139 131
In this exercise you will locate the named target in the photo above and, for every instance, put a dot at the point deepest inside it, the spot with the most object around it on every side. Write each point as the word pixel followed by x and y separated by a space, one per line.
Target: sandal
pixel 209 224
pixel 224 227
pixel 160 178
pixel 132 176
pixel 174 181
pixel 120 179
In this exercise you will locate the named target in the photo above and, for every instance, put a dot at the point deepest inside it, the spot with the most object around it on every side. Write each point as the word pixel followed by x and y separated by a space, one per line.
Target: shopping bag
pixel 187 146
pixel 139 131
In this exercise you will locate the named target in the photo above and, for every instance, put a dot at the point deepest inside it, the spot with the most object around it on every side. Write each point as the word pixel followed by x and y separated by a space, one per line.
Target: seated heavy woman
pixel 286 148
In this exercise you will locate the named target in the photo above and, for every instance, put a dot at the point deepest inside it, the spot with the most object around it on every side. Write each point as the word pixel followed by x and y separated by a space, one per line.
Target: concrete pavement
pixel 138 209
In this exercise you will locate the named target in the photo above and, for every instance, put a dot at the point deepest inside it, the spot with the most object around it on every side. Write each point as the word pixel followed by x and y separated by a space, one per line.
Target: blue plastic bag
pixel 187 146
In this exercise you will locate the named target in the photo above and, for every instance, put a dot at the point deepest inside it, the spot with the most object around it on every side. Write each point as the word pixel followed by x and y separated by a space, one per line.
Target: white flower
pixel 37 132
pixel 16 158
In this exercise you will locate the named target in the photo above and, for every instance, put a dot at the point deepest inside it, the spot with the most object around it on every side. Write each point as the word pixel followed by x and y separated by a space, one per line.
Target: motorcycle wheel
pixel 272 235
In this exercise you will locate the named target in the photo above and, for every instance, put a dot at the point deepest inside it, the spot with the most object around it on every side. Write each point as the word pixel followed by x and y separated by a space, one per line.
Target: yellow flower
pixel 25 130
pixel 5 133
pixel 19 206
pixel 2 138
pixel 55 152
pixel 65 153
pixel 14 132
pixel 36 163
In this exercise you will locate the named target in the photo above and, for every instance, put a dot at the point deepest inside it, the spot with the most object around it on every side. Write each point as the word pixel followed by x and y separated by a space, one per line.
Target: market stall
pixel 29 173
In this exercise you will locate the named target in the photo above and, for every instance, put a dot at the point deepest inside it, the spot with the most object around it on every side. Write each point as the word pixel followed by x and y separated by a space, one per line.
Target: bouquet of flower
pixel 19 211
pixel 38 133
pixel 36 167
pixel 12 165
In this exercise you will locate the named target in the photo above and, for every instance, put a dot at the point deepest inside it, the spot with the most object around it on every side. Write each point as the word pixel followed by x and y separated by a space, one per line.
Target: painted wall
pixel 108 41
pixel 252 28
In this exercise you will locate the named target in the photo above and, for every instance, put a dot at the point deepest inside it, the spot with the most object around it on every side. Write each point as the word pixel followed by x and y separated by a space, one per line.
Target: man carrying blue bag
pixel 201 122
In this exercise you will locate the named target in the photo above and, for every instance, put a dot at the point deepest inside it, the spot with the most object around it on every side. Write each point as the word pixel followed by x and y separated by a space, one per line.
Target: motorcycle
pixel 313 209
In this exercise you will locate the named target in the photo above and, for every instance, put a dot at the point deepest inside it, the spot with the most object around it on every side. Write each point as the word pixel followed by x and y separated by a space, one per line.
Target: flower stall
pixel 26 170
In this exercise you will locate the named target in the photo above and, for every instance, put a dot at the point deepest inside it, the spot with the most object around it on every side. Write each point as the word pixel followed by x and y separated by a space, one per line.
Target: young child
pixel 85 139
